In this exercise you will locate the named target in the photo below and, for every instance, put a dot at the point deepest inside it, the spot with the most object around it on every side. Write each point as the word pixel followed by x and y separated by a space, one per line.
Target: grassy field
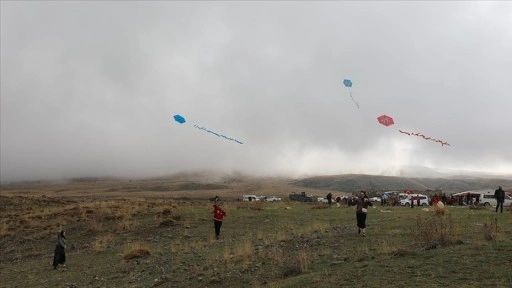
pixel 160 234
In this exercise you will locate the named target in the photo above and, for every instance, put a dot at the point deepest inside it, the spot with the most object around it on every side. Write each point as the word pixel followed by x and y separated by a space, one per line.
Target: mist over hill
pixel 419 178
pixel 411 178
pixel 427 172
pixel 350 183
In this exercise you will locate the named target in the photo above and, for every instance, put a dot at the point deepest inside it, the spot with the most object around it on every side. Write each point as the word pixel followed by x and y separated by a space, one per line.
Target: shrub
pixel 136 250
pixel 167 222
pixel 490 230
pixel 440 208
pixel 435 230
pixel 303 261
pixel 102 242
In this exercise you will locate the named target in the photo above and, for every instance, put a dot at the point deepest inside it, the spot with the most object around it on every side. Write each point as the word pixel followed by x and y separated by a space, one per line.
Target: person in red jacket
pixel 218 216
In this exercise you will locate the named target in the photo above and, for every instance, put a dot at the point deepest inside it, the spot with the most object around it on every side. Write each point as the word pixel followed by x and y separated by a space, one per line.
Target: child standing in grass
pixel 59 256
pixel 361 210
pixel 218 216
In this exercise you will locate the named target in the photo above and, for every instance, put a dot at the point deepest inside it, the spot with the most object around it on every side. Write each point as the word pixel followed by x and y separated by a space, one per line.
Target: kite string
pixel 218 135
pixel 357 104
pixel 425 137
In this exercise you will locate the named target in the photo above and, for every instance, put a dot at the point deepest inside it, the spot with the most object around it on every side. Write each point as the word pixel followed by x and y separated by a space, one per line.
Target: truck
pixel 302 197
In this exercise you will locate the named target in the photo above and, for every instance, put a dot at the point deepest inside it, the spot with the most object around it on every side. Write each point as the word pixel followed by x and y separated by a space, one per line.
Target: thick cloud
pixel 89 88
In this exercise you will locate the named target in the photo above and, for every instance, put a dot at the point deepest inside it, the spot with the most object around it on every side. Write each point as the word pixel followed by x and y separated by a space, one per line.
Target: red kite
pixel 385 120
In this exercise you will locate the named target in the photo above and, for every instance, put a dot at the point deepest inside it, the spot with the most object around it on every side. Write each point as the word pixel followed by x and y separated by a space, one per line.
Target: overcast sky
pixel 89 88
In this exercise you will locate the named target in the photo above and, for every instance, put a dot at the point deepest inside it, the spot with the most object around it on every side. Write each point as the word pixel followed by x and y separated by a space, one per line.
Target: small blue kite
pixel 180 119
pixel 348 84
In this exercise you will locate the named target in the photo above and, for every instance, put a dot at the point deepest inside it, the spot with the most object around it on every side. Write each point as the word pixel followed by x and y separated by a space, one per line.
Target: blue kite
pixel 348 84
pixel 180 119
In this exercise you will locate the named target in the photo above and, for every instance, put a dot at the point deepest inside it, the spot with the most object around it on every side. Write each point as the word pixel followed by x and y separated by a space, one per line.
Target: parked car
pixel 272 199
pixel 407 201
pixel 486 198
pixel 375 199
pixel 251 198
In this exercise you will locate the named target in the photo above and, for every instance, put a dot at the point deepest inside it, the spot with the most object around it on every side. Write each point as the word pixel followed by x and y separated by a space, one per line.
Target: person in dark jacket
pixel 443 199
pixel 499 194
pixel 59 256
pixel 329 198
pixel 218 216
pixel 362 204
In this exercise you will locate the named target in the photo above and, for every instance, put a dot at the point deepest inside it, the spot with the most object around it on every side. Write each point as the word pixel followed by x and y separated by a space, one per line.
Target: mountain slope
pixel 356 182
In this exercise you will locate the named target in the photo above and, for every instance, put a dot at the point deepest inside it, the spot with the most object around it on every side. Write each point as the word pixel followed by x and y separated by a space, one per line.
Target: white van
pixel 486 198
pixel 407 201
pixel 251 198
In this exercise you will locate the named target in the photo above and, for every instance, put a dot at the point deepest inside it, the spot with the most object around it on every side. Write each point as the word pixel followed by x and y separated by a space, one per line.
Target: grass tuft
pixel 434 230
pixel 303 261
pixel 440 208
pixel 101 243
pixel 320 206
pixel 136 250
pixel 490 230
pixel 169 222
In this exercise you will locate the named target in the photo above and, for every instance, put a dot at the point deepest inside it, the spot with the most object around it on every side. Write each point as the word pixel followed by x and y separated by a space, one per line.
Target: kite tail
pixel 354 100
pixel 443 143
pixel 216 134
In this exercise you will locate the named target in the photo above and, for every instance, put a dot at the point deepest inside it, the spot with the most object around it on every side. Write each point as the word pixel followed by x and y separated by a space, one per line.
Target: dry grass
pixel 262 245
pixel 303 260
pixel 101 243
pixel 386 247
pixel 311 228
pixel 6 229
pixel 169 222
pixel 277 256
pixel 227 254
pixel 281 236
pixel 126 225
pixel 95 226
pixel 320 206
pixel 176 246
pixel 136 250
pixel 440 208
pixel 243 252
pixel 490 230
pixel 435 230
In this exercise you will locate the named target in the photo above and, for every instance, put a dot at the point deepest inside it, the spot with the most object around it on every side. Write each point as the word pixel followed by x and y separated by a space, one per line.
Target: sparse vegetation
pixel 101 243
pixel 490 229
pixel 303 261
pixel 143 239
pixel 136 250
pixel 434 230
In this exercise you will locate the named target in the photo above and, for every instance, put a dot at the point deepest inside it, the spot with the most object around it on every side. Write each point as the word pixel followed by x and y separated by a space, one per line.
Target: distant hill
pixel 356 182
